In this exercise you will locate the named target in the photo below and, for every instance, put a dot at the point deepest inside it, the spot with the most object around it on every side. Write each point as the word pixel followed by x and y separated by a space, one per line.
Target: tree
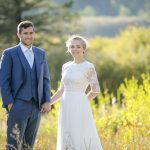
pixel 48 17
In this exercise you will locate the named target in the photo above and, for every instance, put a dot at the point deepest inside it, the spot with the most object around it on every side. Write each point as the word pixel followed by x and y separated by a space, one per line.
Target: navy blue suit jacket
pixel 12 74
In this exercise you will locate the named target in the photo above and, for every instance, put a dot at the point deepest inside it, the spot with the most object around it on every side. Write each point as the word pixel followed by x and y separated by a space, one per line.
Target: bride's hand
pixel 46 107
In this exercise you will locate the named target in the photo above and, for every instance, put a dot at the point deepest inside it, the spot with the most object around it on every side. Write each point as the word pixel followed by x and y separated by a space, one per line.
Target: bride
pixel 76 128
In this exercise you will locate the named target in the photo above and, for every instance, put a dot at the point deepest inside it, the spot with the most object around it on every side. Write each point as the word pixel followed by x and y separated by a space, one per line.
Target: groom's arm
pixel 47 82
pixel 46 89
pixel 5 78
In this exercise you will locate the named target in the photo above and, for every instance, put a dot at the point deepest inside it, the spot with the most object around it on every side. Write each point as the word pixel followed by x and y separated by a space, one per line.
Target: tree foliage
pixel 49 18
pixel 112 7
pixel 123 56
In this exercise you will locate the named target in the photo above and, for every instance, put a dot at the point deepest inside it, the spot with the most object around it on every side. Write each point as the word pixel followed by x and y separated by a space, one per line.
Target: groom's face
pixel 26 36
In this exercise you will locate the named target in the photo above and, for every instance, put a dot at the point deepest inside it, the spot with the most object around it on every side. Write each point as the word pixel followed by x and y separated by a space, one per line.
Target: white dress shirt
pixel 28 52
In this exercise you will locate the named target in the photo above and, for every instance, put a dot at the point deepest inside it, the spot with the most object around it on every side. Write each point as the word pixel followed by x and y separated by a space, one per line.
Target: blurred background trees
pixel 111 7
pixel 46 15
pixel 126 55
pixel 119 46
pixel 115 57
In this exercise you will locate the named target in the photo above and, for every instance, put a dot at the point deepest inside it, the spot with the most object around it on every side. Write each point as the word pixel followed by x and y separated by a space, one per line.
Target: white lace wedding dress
pixel 76 128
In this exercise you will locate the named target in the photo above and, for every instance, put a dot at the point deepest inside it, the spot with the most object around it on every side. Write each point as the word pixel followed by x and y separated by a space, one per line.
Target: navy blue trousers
pixel 22 124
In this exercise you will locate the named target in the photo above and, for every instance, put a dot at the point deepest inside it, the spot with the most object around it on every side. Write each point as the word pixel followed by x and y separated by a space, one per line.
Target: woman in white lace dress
pixel 76 128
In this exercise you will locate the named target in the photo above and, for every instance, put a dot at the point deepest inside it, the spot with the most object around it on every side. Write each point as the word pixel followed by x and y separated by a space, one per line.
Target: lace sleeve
pixel 93 81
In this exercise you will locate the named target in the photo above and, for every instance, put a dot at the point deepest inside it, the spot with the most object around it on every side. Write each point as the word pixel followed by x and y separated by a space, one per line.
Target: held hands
pixel 46 107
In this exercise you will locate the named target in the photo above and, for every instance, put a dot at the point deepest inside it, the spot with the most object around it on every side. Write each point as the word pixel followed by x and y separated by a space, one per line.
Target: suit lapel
pixel 38 61
pixel 22 58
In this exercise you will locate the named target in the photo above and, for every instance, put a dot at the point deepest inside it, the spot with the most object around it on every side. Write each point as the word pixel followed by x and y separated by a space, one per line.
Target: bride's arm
pixel 57 94
pixel 91 95
pixel 94 84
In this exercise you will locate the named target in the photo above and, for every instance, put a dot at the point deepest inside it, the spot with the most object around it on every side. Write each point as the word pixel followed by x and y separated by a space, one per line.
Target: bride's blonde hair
pixel 77 37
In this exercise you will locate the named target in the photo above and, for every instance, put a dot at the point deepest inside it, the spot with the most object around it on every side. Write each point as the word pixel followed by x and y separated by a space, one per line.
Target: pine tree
pixel 49 18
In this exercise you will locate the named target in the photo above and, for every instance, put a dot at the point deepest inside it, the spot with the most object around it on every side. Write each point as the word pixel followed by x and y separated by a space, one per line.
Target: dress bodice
pixel 77 77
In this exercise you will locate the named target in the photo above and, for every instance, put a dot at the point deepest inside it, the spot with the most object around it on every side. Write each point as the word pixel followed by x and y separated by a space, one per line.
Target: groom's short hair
pixel 24 24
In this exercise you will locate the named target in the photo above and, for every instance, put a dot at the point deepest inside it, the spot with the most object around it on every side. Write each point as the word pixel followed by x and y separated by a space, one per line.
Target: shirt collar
pixel 24 48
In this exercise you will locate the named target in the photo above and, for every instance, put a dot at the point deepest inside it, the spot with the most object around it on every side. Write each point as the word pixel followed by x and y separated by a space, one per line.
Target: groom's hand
pixel 46 107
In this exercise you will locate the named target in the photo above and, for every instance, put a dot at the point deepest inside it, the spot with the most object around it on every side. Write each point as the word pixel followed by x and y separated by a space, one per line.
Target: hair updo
pixel 77 37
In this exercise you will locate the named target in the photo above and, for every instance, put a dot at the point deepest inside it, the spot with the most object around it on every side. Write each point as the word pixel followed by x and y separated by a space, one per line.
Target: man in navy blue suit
pixel 25 88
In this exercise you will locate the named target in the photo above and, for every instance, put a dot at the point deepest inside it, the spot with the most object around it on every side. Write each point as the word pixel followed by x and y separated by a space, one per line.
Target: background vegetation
pixel 122 110
pixel 121 126
pixel 111 7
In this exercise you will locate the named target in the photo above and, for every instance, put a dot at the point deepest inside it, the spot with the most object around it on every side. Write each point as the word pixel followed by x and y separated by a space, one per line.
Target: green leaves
pixel 49 18
pixel 125 55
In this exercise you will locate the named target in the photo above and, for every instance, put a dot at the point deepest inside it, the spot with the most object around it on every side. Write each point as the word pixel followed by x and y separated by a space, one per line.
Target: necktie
pixel 30 57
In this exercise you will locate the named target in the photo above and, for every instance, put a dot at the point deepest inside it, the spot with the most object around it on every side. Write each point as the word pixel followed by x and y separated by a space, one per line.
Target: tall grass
pixel 123 123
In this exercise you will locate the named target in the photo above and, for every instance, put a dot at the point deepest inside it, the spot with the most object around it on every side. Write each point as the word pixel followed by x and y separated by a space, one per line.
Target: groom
pixel 25 88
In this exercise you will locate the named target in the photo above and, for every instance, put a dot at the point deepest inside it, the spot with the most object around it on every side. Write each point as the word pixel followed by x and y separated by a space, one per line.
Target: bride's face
pixel 76 48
